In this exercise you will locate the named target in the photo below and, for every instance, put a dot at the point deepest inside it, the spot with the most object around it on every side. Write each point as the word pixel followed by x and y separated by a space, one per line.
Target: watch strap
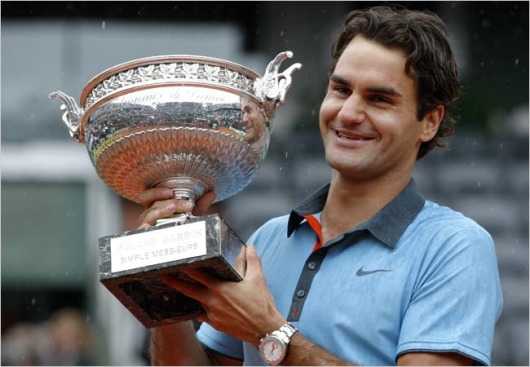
pixel 286 331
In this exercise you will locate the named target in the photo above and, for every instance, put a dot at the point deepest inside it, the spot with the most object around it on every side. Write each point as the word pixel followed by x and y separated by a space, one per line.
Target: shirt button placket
pixel 300 293
pixel 303 287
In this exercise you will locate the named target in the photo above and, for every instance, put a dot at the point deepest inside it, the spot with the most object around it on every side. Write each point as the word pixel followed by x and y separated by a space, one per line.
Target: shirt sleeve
pixel 220 342
pixel 457 299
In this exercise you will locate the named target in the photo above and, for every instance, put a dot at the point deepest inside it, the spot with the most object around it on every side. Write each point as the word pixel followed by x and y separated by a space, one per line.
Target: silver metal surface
pixel 191 123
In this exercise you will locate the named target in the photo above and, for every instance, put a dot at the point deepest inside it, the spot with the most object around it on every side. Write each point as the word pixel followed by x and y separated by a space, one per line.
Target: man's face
pixel 250 114
pixel 368 116
pixel 253 121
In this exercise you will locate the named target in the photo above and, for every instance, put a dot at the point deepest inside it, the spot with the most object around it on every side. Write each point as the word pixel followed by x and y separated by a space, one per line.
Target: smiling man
pixel 365 270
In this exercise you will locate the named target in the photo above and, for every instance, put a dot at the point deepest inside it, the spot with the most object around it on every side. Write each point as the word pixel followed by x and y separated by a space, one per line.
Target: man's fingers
pixel 148 197
pixel 252 255
pixel 163 209
pixel 203 203
pixel 253 259
pixel 201 276
pixel 160 209
pixel 188 289
pixel 160 203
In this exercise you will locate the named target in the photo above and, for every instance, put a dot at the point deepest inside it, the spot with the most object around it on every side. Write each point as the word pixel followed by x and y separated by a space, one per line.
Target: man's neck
pixel 352 202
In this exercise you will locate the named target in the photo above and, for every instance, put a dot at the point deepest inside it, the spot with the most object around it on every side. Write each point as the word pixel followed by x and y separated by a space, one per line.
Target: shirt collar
pixel 387 225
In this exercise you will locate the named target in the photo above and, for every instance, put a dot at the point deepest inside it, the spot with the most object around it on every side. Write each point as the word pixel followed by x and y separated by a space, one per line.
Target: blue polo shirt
pixel 415 277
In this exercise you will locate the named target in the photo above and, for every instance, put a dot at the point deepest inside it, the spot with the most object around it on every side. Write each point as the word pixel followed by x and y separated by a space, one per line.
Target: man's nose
pixel 353 110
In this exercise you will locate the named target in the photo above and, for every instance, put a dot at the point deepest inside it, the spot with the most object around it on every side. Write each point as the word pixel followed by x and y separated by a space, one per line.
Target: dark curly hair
pixel 422 36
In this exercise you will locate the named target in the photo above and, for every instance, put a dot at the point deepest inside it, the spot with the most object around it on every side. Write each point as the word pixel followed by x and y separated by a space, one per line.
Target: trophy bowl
pixel 178 121
pixel 190 123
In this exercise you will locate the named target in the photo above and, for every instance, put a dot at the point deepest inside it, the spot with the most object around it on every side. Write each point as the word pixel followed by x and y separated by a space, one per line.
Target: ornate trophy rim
pixel 161 59
pixel 177 70
pixel 139 74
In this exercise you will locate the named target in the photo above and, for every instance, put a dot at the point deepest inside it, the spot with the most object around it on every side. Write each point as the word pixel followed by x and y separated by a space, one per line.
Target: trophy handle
pixel 72 113
pixel 284 81
pixel 273 86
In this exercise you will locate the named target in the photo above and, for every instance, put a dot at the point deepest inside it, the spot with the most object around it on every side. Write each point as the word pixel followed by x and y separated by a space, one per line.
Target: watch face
pixel 273 351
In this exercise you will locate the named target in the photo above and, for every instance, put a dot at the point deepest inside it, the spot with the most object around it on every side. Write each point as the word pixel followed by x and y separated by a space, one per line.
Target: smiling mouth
pixel 352 137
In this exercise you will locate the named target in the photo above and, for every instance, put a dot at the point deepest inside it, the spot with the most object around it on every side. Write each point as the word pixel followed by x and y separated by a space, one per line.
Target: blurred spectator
pixel 70 339
pixel 18 345
pixel 63 340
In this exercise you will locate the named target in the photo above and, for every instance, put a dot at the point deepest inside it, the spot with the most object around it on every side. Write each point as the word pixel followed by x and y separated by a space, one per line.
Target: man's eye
pixel 341 90
pixel 380 99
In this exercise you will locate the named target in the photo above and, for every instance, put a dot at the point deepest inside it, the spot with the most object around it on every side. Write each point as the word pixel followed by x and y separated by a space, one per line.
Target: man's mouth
pixel 349 137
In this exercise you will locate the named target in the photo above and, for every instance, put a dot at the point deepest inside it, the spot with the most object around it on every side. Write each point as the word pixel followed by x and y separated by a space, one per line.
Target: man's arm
pixel 302 353
pixel 176 344
pixel 246 311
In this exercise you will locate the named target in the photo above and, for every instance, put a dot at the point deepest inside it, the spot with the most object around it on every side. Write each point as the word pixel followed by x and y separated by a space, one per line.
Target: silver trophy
pixel 190 123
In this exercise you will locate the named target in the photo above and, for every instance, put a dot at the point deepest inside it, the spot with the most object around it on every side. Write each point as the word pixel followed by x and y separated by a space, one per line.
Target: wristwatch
pixel 273 346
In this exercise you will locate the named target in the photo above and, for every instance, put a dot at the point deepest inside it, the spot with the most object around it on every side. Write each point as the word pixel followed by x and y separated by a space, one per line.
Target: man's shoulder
pixel 276 221
pixel 444 222
pixel 440 215
pixel 273 226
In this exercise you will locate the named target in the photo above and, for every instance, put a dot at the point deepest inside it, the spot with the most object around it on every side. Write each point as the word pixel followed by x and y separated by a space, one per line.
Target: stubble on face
pixel 368 117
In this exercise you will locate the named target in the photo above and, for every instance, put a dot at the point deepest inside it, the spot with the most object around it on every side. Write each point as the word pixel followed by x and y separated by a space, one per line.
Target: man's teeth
pixel 351 137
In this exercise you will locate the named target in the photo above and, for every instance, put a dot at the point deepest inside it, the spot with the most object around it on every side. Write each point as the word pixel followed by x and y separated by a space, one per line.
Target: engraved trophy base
pixel 132 263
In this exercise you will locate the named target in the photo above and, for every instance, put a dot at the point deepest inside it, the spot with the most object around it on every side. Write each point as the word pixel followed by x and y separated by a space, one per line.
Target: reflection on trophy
pixel 190 123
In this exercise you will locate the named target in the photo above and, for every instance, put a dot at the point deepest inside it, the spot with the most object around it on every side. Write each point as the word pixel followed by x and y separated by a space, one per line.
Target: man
pixel 364 271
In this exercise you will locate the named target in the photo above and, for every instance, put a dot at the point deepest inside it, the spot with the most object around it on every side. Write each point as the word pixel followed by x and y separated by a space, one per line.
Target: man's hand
pixel 160 203
pixel 245 310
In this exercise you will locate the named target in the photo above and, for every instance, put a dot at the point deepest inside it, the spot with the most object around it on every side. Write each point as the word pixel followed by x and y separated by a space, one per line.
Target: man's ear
pixel 431 123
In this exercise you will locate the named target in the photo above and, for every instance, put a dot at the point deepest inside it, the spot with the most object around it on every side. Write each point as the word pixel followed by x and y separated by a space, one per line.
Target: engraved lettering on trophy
pixel 166 244
pixel 134 257
pixel 181 94
pixel 192 124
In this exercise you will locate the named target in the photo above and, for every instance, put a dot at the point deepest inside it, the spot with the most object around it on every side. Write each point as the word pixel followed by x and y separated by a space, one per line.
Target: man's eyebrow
pixel 379 90
pixel 338 79
pixel 385 90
